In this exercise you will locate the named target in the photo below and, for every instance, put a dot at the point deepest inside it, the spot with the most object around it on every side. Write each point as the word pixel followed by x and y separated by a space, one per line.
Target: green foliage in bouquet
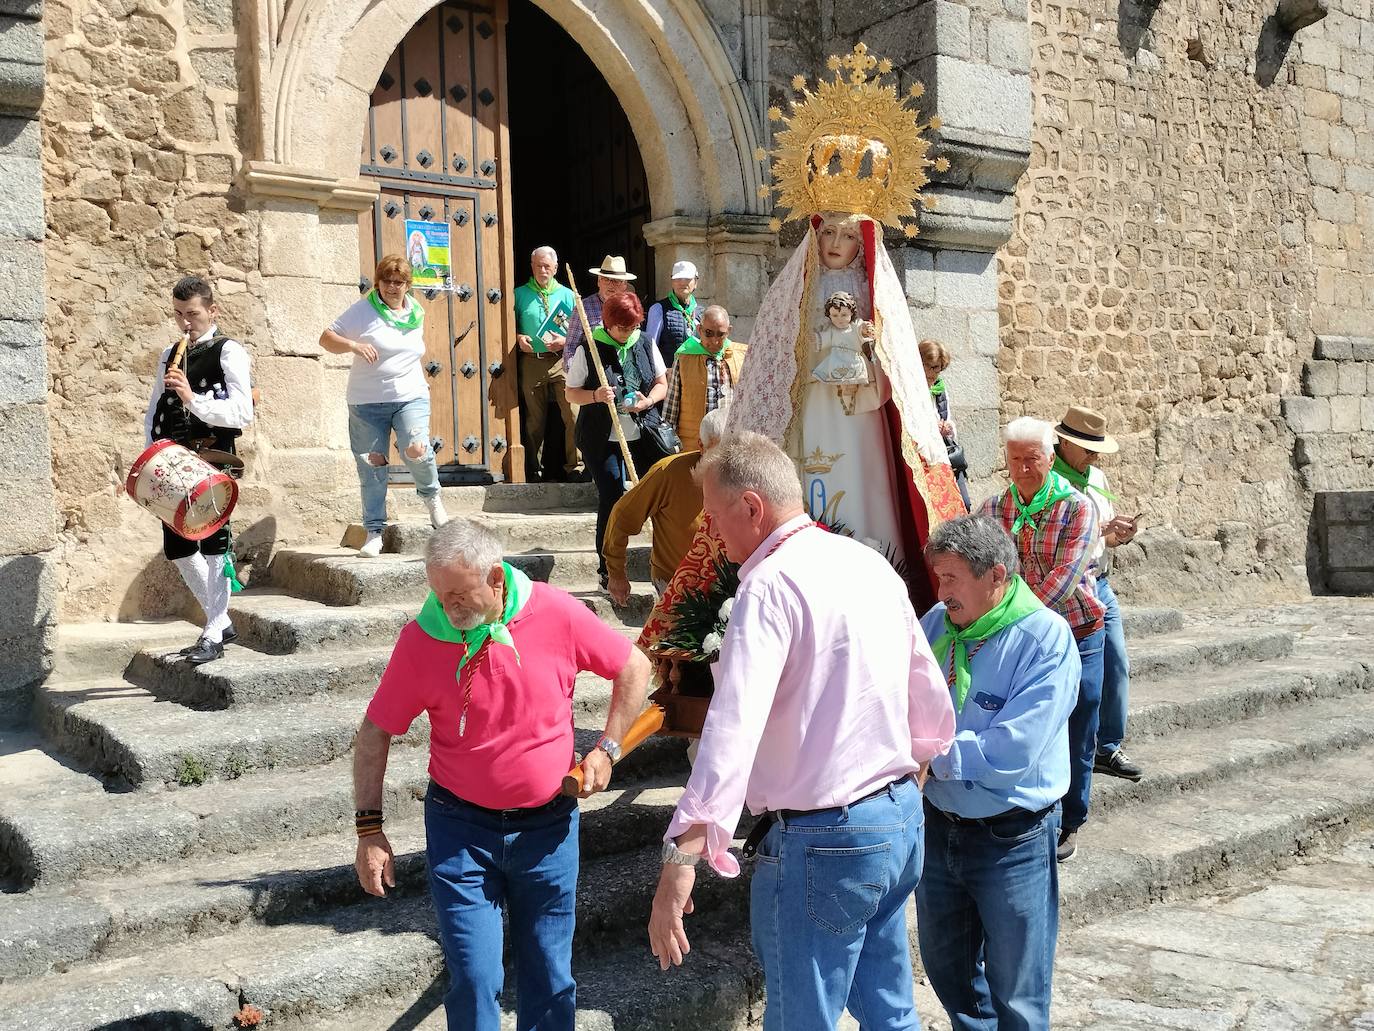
pixel 697 614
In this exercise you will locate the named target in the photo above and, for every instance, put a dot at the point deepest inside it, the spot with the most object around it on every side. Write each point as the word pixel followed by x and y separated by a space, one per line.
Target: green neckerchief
pixel 435 622
pixel 1018 603
pixel 1080 480
pixel 412 319
pixel 602 336
pixel 544 291
pixel 1055 488
pixel 688 311
pixel 938 387
pixel 693 345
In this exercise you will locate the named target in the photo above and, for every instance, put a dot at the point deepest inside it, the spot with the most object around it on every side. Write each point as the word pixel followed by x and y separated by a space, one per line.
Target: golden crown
pixel 819 462
pixel 853 145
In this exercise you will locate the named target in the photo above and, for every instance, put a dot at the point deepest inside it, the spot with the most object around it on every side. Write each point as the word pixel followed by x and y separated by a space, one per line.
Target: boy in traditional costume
pixel 202 403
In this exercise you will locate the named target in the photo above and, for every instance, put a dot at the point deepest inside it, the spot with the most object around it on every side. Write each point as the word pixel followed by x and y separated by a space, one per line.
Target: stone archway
pixel 318 61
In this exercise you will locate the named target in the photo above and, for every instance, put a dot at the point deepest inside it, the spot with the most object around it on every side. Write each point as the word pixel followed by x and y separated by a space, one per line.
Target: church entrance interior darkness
pixel 577 180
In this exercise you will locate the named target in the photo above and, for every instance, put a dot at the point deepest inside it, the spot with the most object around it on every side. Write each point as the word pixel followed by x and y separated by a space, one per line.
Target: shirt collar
pixel 209 334
pixel 761 552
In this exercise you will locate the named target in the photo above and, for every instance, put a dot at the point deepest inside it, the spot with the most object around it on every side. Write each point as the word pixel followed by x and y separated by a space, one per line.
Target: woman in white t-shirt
pixel 387 393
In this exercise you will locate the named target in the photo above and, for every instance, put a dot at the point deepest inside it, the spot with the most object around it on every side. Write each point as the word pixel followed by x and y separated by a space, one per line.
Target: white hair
pixel 713 426
pixel 463 542
pixel 750 461
pixel 546 249
pixel 1026 430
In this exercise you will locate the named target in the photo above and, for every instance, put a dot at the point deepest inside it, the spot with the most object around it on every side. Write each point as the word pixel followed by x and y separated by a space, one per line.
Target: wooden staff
pixel 644 727
pixel 179 353
pixel 601 377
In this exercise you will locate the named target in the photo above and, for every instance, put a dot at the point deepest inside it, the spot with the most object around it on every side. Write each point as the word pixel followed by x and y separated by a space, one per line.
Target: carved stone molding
pixel 265 179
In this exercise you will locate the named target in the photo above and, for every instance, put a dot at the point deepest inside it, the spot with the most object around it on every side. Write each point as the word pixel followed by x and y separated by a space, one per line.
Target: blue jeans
pixel 1083 731
pixel 827 908
pixel 481 862
pixel 609 475
pixel 987 916
pixel 370 428
pixel 1116 675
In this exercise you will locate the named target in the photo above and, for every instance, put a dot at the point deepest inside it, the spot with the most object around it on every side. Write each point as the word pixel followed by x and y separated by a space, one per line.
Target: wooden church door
pixel 437 144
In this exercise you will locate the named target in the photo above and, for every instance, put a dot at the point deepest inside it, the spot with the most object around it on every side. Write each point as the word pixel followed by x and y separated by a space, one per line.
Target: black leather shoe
pixel 205 651
pixel 1117 764
pixel 228 637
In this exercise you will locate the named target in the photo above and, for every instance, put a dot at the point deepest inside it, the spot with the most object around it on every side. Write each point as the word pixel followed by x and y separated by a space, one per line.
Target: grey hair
pixel 750 461
pixel 717 311
pixel 978 540
pixel 713 426
pixel 1026 430
pixel 546 249
pixel 464 542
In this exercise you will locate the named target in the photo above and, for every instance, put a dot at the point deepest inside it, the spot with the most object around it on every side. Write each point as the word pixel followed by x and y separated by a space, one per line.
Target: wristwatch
pixel 673 854
pixel 610 746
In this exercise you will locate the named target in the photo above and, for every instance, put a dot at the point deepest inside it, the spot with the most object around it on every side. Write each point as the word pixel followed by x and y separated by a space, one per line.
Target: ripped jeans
pixel 370 428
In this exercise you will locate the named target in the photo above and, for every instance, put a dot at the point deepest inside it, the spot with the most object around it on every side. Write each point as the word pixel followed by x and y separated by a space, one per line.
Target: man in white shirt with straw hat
pixel 611 279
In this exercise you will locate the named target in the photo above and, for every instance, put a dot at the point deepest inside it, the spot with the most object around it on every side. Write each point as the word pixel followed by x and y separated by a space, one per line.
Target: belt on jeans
pixel 436 788
pixel 988 821
pixel 765 822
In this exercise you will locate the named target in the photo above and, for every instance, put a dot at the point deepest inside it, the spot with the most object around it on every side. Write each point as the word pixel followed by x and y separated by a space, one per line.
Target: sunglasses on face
pixel 714 332
pixel 395 282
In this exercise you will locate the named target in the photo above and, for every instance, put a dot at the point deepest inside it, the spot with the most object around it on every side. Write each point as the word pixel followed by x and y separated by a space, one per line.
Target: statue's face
pixel 839 240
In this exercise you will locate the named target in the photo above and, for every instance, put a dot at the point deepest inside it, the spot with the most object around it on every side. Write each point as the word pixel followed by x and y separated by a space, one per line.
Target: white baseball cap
pixel 684 270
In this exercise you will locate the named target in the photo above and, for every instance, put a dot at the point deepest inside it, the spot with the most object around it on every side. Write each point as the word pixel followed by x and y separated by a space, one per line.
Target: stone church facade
pixel 1161 210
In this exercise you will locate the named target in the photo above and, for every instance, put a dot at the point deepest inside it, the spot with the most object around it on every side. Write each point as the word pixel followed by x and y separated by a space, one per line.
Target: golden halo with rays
pixel 853 145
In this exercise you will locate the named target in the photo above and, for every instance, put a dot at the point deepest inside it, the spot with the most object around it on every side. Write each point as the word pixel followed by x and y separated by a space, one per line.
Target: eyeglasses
pixel 713 333
pixel 394 282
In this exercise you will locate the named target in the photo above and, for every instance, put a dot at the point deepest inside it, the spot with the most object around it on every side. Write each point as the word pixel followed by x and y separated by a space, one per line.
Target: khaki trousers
pixel 542 380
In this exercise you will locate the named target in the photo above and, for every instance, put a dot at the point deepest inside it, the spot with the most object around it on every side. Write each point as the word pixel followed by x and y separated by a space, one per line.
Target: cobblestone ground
pixel 1294 953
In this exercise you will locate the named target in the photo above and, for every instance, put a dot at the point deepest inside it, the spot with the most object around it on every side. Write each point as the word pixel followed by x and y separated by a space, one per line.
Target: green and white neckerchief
pixel 938 387
pixel 435 622
pixel 688 312
pixel 412 316
pixel 693 345
pixel 1083 481
pixel 544 292
pixel 1055 488
pixel 599 334
pixel 1018 603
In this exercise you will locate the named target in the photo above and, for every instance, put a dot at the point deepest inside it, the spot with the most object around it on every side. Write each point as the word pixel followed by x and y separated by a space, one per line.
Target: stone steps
pixel 311 968
pixel 336 576
pixel 500 498
pixel 518 531
pixel 55 840
pixel 272 621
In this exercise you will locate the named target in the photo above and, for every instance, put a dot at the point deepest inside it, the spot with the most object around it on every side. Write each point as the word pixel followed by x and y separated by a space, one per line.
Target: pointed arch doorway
pixel 508 161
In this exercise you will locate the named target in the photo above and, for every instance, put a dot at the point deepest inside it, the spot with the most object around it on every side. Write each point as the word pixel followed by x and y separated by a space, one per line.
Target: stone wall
pixel 28 597
pixel 1161 271
pixel 1344 531
pixel 143 136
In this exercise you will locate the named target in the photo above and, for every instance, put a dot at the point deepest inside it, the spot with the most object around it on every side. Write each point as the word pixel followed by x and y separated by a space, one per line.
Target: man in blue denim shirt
pixel 988 900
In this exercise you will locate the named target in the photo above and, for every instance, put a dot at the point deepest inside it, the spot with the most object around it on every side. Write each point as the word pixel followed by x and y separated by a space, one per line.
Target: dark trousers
pixel 175 546
pixel 608 473
pixel 1083 730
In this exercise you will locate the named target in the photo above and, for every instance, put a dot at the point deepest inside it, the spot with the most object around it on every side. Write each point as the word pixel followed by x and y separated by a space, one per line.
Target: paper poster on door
pixel 427 252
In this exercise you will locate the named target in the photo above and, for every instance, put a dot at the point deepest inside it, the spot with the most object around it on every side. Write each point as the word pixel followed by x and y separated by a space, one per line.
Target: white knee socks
pixel 204 576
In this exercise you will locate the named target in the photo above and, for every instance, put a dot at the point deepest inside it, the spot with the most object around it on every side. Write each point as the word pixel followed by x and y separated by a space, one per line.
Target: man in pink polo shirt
pixel 492 658
pixel 828 707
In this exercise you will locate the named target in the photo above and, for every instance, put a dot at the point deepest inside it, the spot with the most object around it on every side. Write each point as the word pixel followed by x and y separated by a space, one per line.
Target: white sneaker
pixel 372 547
pixel 437 516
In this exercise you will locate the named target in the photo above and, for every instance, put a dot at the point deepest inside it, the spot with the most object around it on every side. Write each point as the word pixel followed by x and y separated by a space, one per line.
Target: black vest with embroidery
pixel 594 420
pixel 676 329
pixel 205 374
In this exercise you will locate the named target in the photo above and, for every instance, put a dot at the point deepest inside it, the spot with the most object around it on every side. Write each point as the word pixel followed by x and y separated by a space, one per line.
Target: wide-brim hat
pixel 612 267
pixel 1087 429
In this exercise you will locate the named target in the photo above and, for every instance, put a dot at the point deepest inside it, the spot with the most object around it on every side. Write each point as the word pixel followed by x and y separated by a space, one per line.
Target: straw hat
pixel 612 267
pixel 1087 429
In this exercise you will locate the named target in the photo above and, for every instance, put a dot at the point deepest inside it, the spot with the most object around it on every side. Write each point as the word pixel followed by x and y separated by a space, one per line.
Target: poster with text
pixel 427 252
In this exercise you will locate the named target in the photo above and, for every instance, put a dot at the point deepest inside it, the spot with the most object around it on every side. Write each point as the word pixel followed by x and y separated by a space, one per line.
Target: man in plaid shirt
pixel 703 376
pixel 1055 528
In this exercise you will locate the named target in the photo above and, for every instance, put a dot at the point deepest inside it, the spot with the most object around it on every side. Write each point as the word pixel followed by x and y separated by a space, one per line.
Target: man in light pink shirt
pixel 828 705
